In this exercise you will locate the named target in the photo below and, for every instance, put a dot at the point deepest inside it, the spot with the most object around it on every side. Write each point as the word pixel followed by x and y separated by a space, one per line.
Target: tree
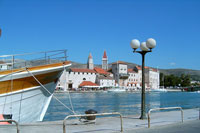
pixel 162 79
pixel 185 80
pixel 172 80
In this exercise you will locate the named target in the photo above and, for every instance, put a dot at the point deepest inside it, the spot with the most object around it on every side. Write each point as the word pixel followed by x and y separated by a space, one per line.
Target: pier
pixel 170 121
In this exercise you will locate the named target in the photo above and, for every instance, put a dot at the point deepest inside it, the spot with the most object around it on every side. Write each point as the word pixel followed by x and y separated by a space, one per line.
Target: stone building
pixel 134 79
pixel 117 75
pixel 152 77
pixel 104 78
pixel 75 78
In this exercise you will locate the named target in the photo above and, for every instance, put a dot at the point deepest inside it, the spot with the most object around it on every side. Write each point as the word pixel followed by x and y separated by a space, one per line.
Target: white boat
pixel 198 91
pixel 116 90
pixel 25 93
pixel 159 90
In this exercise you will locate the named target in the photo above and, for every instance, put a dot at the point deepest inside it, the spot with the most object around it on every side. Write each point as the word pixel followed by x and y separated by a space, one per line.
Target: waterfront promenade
pixel 165 122
pixel 186 127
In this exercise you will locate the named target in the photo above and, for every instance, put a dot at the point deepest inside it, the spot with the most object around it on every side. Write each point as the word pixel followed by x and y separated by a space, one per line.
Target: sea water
pixel 125 103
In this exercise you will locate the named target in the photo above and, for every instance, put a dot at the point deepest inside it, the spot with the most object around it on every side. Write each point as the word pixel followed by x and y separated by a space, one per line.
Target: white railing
pixel 86 115
pixel 9 120
pixel 167 108
pixel 33 59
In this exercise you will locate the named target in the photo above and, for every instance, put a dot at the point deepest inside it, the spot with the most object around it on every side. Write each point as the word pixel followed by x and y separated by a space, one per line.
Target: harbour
pixel 114 66
pixel 127 104
pixel 124 103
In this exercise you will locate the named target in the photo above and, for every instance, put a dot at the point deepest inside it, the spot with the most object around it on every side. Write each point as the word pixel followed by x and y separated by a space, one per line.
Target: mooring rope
pixel 49 92
pixel 68 90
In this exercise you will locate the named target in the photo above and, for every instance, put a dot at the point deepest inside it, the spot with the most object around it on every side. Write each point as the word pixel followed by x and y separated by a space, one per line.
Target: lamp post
pixel 145 48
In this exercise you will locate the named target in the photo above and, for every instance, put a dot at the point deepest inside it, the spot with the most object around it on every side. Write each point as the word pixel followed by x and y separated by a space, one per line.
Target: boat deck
pixel 131 123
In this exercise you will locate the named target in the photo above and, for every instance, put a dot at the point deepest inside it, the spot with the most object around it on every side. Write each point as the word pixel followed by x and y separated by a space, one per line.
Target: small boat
pixel 158 90
pixel 116 90
pixel 26 89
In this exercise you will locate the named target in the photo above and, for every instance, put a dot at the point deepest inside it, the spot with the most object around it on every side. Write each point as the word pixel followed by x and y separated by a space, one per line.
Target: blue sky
pixel 83 26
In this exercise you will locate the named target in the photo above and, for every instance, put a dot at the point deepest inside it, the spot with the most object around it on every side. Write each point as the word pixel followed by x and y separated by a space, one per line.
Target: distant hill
pixel 80 65
pixel 195 74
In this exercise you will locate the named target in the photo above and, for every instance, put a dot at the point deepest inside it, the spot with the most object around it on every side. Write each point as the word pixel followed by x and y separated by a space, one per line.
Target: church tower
pixel 90 64
pixel 105 61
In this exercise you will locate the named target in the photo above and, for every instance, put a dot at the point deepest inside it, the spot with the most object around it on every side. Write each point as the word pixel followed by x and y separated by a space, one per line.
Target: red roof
pixel 87 83
pixel 131 71
pixel 100 70
pixel 155 70
pixel 83 70
pixel 104 54
pixel 139 68
pixel 152 69
pixel 132 83
pixel 90 56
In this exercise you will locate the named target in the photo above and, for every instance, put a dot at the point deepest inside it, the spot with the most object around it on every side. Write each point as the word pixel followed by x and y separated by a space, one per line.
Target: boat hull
pixel 28 105
pixel 22 96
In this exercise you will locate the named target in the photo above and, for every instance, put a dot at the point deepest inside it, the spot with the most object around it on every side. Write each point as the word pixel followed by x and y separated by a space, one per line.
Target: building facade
pixel 104 78
pixel 72 78
pixel 120 72
pixel 134 79
pixel 117 75
pixel 152 77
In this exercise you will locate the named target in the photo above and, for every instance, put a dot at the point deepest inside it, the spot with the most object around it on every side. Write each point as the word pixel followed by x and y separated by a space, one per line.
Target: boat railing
pixel 167 108
pixel 10 120
pixel 8 62
pixel 86 115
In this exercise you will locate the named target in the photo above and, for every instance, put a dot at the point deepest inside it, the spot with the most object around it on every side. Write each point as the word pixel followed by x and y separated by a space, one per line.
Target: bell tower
pixel 105 61
pixel 90 64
